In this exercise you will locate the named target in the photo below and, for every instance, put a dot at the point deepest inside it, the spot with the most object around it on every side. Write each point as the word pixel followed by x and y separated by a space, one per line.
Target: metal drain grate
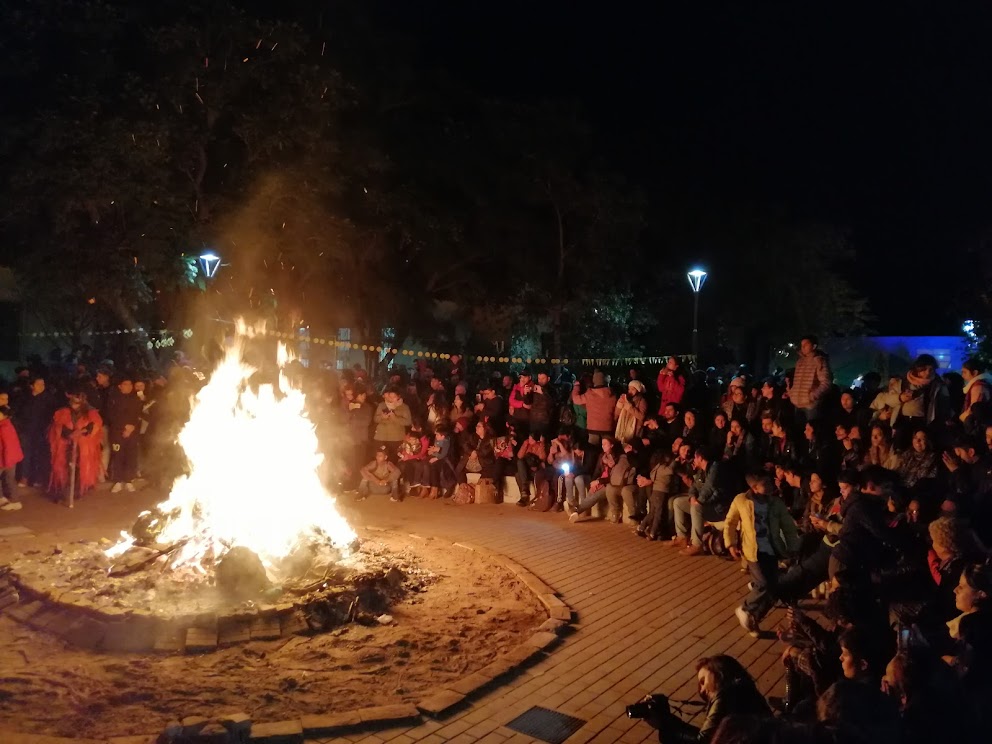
pixel 546 725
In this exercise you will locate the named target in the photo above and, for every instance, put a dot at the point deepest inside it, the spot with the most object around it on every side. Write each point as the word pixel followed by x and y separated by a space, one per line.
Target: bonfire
pixel 252 484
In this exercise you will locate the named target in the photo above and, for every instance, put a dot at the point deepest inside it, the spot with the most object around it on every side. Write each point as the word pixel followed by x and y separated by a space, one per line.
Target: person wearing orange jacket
pixel 76 430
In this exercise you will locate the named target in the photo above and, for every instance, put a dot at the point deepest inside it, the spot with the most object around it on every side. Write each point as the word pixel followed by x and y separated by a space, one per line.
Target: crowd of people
pixel 65 429
pixel 877 499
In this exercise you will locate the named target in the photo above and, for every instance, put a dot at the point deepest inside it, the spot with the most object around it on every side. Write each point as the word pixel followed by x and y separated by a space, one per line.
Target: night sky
pixel 876 120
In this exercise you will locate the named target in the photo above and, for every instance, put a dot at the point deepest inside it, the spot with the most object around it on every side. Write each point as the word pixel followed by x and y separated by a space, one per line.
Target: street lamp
pixel 696 279
pixel 209 262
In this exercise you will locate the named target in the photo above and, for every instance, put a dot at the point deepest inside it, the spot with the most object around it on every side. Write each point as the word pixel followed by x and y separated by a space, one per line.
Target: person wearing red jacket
pixel 76 424
pixel 671 384
pixel 10 455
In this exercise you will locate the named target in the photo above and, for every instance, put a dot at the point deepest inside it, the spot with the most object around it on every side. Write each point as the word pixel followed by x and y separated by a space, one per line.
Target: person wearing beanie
pixel 630 411
pixel 600 406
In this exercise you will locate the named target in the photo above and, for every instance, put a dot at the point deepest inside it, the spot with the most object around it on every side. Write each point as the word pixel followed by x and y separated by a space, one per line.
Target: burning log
pixel 241 575
pixel 137 558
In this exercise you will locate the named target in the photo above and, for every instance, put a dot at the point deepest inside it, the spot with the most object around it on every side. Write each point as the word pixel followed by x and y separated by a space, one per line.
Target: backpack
pixel 544 500
pixel 464 494
pixel 567 415
pixel 485 492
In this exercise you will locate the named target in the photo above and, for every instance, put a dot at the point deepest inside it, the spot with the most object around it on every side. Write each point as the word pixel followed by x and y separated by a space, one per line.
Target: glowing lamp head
pixel 696 279
pixel 566 468
pixel 209 263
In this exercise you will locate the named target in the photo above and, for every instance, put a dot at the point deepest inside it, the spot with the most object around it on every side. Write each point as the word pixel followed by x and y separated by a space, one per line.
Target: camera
pixel 652 706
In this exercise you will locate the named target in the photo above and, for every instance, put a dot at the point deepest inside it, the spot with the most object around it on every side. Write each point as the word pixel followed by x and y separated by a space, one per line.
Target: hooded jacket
pixel 600 404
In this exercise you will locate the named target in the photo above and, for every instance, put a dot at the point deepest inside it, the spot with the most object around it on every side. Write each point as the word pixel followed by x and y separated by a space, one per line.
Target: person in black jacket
pixel 122 418
pixel 32 416
pixel 863 536
pixel 727 689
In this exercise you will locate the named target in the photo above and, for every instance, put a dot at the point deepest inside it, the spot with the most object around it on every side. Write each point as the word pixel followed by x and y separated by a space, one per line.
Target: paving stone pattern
pixel 643 614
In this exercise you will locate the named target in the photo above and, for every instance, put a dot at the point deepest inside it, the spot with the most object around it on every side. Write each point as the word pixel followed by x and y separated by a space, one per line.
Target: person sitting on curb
pixel 380 477
pixel 705 502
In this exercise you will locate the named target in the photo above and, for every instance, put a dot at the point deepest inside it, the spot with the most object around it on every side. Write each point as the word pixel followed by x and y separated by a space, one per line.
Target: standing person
pixel 359 415
pixel 630 411
pixel 977 387
pixel 98 402
pixel 923 401
pixel 122 421
pixel 521 402
pixel 33 418
pixel 391 418
pixel 543 407
pixel 768 534
pixel 600 404
pixel 811 381
pixel 10 456
pixel 660 479
pixel 76 429
pixel 671 384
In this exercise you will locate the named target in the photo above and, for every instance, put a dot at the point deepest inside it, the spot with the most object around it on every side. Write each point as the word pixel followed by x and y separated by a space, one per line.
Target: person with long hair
pixel 596 492
pixel 971 631
pixel 881 451
pixel 918 465
pixel 727 689
pixel 977 387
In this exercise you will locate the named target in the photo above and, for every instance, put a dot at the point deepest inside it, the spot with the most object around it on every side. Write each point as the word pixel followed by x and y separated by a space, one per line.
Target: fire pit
pixel 82 661
pixel 252 481
pixel 249 559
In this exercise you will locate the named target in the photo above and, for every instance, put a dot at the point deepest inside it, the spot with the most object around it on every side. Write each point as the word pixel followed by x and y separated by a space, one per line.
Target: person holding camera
pixel 726 689
pixel 392 418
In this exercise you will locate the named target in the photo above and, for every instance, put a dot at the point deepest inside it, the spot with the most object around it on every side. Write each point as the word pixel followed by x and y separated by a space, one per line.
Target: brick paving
pixel 643 615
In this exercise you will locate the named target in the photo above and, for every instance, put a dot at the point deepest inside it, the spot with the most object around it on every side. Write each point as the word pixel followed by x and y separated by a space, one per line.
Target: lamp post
pixel 209 263
pixel 696 279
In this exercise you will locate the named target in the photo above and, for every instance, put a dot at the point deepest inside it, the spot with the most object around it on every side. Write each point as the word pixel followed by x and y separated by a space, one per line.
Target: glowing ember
pixel 253 474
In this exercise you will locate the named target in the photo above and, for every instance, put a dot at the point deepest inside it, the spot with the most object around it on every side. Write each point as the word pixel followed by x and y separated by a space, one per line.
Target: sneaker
pixel 22 484
pixel 12 506
pixel 569 509
pixel 693 550
pixel 129 487
pixel 679 542
pixel 394 499
pixel 573 517
pixel 747 621
pixel 118 487
pixel 4 501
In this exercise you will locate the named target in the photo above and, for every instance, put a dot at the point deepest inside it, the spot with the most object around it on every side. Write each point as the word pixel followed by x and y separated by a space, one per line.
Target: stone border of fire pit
pixel 138 631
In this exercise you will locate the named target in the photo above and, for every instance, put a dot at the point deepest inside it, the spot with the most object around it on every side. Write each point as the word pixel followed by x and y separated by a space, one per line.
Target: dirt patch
pixel 474 611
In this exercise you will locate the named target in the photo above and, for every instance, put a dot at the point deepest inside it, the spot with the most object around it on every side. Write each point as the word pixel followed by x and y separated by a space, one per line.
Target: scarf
pixel 983 379
pixel 954 626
